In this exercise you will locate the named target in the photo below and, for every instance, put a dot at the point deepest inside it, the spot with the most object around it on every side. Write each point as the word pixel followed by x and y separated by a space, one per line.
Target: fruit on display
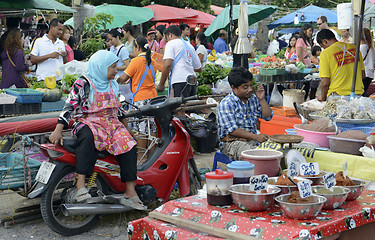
pixel 271 59
pixel 254 70
pixel 276 64
pixel 50 82
pixel 50 95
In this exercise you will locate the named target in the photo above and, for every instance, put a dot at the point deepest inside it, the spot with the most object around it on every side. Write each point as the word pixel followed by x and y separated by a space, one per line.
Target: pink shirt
pixel 306 51
pixel 69 53
pixel 154 44
pixel 161 45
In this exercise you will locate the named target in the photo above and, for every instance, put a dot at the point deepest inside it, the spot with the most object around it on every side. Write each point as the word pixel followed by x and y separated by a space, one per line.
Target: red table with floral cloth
pixel 270 224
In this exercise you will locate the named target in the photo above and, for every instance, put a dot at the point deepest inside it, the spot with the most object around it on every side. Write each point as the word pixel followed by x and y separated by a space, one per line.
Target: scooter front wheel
pixel 59 192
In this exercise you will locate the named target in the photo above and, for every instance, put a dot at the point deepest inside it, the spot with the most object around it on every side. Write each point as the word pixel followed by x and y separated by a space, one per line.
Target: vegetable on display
pixel 211 73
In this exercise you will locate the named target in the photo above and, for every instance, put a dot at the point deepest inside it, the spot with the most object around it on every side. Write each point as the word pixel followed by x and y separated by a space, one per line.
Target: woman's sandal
pixel 133 202
pixel 82 195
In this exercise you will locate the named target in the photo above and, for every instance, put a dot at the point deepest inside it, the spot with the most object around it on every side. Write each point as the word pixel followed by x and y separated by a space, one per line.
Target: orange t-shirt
pixel 135 70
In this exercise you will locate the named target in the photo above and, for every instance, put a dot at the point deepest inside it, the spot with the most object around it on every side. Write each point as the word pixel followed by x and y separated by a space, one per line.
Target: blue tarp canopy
pixel 305 15
pixel 288 30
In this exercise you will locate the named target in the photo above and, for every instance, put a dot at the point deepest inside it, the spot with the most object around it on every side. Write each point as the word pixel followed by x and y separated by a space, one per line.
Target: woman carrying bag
pixel 141 73
pixel 13 62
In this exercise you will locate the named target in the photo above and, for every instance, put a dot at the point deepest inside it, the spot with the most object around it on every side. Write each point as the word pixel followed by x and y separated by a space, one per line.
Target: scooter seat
pixel 70 144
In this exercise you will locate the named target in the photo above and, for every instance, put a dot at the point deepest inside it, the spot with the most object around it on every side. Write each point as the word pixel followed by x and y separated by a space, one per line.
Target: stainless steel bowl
pixel 356 190
pixel 285 188
pixel 251 201
pixel 335 198
pixel 315 180
pixel 300 211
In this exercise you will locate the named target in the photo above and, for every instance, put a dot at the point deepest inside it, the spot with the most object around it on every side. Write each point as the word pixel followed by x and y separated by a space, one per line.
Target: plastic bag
pixel 291 68
pixel 367 152
pixel 276 97
pixel 223 86
pixel 74 67
pixel 273 48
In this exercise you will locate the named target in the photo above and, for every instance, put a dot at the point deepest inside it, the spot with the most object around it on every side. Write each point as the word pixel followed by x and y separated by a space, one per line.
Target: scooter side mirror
pixel 191 80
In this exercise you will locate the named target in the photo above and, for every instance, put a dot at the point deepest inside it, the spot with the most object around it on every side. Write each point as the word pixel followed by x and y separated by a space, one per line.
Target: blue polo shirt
pixel 220 46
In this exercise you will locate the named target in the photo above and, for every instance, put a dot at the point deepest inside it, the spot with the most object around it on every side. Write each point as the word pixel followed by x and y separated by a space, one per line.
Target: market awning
pixel 217 10
pixel 255 13
pixel 305 15
pixel 201 18
pixel 369 11
pixel 122 14
pixel 33 4
pixel 166 13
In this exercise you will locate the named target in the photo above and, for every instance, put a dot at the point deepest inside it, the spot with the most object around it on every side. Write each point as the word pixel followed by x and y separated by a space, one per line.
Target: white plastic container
pixel 242 171
pixel 265 161
pixel 218 183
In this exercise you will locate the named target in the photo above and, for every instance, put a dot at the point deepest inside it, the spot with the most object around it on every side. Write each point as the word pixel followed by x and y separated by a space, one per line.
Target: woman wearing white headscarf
pixel 99 125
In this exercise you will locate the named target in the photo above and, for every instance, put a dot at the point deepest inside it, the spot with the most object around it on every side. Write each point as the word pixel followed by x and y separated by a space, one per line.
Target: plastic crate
pixel 352 126
pixel 12 171
pixel 26 95
pixel 284 111
pixel 272 71
pixel 53 106
pixel 18 108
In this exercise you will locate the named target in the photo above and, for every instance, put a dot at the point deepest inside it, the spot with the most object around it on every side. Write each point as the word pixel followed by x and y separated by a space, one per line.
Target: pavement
pixel 109 227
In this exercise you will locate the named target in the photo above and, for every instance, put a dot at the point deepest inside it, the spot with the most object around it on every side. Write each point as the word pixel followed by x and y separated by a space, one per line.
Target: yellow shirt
pixel 341 73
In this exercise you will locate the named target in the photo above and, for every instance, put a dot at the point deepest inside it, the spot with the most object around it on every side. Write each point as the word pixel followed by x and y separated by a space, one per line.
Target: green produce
pixel 204 90
pixel 68 80
pixel 211 73
pixel 281 53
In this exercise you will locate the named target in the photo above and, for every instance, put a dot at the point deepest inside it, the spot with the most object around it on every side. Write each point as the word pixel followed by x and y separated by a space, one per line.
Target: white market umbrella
pixel 243 44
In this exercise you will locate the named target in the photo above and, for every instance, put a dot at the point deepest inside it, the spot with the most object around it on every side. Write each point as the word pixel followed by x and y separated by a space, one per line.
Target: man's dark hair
pixel 54 22
pixel 183 26
pixel 238 76
pixel 161 29
pixel 323 19
pixel 222 33
pixel 12 22
pixel 325 34
pixel 174 30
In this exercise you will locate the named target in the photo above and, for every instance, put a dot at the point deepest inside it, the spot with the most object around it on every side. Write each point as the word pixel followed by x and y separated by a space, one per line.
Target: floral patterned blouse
pixel 78 103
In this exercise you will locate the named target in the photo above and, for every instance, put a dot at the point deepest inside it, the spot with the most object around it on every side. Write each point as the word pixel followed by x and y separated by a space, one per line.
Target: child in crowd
pixel 315 52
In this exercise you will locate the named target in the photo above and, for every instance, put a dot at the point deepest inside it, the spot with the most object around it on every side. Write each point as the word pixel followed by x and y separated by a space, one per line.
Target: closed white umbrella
pixel 243 44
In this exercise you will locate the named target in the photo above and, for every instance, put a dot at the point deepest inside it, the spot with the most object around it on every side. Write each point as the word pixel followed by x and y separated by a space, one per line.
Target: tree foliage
pixel 92 40
pixel 203 5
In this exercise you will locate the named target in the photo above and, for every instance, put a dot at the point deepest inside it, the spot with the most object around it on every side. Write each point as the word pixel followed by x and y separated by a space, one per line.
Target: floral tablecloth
pixel 270 224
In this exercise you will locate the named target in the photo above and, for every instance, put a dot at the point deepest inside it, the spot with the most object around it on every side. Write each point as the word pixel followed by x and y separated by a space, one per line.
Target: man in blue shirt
pixel 238 113
pixel 220 45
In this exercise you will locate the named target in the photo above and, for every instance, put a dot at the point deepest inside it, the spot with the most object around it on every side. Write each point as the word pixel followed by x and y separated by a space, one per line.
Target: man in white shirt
pixel 181 59
pixel 49 52
pixel 322 23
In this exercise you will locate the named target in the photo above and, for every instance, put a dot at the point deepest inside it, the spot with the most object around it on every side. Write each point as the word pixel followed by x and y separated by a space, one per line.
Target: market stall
pixel 271 224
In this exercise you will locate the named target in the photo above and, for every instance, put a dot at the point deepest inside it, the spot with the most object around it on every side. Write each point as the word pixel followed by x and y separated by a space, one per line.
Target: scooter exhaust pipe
pixel 93 209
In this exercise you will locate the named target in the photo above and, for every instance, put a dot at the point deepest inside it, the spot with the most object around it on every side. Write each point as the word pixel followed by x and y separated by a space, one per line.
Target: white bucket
pixel 293 95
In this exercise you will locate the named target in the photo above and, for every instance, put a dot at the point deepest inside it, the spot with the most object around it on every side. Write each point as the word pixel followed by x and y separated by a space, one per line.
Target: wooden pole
pixel 357 43
pixel 218 232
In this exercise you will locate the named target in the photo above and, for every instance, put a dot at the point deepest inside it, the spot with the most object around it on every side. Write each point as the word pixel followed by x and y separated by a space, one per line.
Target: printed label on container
pixel 329 180
pixel 293 169
pixel 258 182
pixel 304 188
pixel 309 169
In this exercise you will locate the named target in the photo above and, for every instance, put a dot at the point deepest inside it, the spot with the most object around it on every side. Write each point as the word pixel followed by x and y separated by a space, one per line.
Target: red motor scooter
pixel 171 161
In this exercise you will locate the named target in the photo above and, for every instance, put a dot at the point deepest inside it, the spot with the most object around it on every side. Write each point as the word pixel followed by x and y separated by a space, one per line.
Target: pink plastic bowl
pixel 319 138
pixel 265 161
